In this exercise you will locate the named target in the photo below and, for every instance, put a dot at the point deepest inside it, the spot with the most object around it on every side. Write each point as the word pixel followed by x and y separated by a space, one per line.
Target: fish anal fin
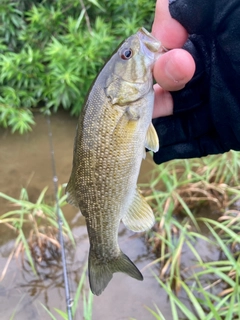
pixel 140 216
pixel 101 273
pixel 152 141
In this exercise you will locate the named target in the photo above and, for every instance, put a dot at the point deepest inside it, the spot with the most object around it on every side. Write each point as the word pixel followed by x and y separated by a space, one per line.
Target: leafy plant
pixel 50 51
pixel 12 22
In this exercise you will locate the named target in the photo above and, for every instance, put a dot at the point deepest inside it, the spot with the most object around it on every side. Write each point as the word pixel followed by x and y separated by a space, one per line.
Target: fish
pixel 113 132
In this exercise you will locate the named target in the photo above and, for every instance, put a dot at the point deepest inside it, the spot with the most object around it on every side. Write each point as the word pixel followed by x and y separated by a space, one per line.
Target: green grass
pixel 177 192
pixel 36 228
pixel 35 224
pixel 87 302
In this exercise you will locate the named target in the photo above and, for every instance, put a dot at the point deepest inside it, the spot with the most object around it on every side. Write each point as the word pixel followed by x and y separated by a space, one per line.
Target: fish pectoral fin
pixel 71 195
pixel 152 142
pixel 140 216
pixel 101 273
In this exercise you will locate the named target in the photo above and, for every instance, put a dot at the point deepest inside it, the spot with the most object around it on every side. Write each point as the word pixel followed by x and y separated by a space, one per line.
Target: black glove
pixel 206 115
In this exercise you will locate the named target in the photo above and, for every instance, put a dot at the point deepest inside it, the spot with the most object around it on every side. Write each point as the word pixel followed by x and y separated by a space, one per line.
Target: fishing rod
pixel 69 300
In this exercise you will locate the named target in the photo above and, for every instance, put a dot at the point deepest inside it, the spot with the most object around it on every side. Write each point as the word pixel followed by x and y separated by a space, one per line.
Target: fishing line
pixel 69 301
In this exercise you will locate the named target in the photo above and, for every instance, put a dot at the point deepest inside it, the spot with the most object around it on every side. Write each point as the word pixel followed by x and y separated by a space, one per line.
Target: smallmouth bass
pixel 114 128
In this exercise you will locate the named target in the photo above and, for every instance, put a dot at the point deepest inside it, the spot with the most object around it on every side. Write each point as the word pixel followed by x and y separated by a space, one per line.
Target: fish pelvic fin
pixel 140 216
pixel 101 273
pixel 71 194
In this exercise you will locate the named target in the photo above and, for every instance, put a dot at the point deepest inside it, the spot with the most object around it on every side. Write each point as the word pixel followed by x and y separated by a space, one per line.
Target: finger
pixel 168 30
pixel 174 69
pixel 163 102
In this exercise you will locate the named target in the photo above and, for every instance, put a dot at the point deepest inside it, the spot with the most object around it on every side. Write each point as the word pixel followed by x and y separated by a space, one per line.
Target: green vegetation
pixel 87 302
pixel 37 243
pixel 183 193
pixel 41 222
pixel 51 51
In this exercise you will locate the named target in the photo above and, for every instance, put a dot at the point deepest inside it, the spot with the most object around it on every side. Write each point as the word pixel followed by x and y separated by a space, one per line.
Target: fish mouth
pixel 150 46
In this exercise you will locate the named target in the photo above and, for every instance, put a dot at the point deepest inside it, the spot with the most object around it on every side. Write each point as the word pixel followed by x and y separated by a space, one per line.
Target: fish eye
pixel 126 54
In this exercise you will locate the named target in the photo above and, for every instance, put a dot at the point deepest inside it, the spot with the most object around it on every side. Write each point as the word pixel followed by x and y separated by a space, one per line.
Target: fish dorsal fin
pixel 71 195
pixel 139 216
pixel 152 142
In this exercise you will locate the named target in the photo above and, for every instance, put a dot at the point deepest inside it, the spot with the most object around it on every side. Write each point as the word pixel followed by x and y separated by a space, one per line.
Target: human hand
pixel 176 67
pixel 206 112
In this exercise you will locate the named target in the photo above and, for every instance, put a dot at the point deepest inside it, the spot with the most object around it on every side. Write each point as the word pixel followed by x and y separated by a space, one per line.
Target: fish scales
pixel 113 130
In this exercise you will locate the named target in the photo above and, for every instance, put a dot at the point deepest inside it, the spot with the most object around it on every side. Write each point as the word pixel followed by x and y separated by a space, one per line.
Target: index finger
pixel 168 30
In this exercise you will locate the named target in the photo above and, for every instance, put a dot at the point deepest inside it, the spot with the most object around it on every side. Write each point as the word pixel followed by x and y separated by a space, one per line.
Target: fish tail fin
pixel 100 274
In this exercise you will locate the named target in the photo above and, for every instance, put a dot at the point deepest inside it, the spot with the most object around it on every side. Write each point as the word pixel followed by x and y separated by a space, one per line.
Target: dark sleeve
pixel 206 117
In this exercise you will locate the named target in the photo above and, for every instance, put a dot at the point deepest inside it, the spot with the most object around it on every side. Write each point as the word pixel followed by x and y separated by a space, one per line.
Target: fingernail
pixel 171 72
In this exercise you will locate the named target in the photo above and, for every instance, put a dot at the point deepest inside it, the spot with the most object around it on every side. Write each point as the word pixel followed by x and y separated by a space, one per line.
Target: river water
pixel 26 162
